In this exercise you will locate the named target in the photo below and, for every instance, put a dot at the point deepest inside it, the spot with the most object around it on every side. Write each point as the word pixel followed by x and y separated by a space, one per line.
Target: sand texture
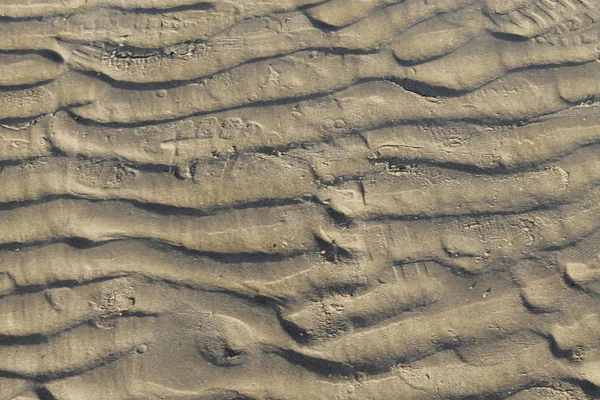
pixel 299 199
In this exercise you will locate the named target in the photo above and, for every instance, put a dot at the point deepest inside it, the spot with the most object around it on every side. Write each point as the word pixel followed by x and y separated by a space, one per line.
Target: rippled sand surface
pixel 299 199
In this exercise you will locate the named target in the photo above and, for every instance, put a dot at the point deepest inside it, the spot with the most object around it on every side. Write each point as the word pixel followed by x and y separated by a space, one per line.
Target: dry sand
pixel 299 199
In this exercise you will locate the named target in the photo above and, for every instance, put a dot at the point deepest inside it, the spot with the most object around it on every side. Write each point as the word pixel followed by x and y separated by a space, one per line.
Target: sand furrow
pixel 369 33
pixel 319 277
pixel 295 76
pixel 471 243
pixel 76 351
pixel 344 313
pixel 225 183
pixel 441 193
pixel 28 69
pixel 474 243
pixel 33 102
pixel 285 387
pixel 263 231
pixel 580 264
pixel 338 13
pixel 168 30
pixel 487 148
pixel 287 33
pixel 458 144
pixel 437 37
pixel 460 380
pixel 43 8
pixel 48 313
pixel 563 25
pixel 485 65
pixel 381 347
pixel 12 8
pixel 548 392
pixel 519 96
pixel 58 265
pixel 531 18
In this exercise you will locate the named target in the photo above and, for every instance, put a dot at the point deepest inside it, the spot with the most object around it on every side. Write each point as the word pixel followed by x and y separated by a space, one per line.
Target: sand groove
pixel 299 199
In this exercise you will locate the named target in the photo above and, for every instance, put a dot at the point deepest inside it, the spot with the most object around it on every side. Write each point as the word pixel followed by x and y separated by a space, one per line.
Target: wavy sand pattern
pixel 299 199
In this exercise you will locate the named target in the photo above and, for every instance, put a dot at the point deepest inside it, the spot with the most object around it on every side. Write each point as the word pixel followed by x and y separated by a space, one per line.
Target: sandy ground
pixel 299 199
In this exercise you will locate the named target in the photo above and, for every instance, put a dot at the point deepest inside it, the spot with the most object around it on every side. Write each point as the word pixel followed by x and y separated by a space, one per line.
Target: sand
pixel 299 199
